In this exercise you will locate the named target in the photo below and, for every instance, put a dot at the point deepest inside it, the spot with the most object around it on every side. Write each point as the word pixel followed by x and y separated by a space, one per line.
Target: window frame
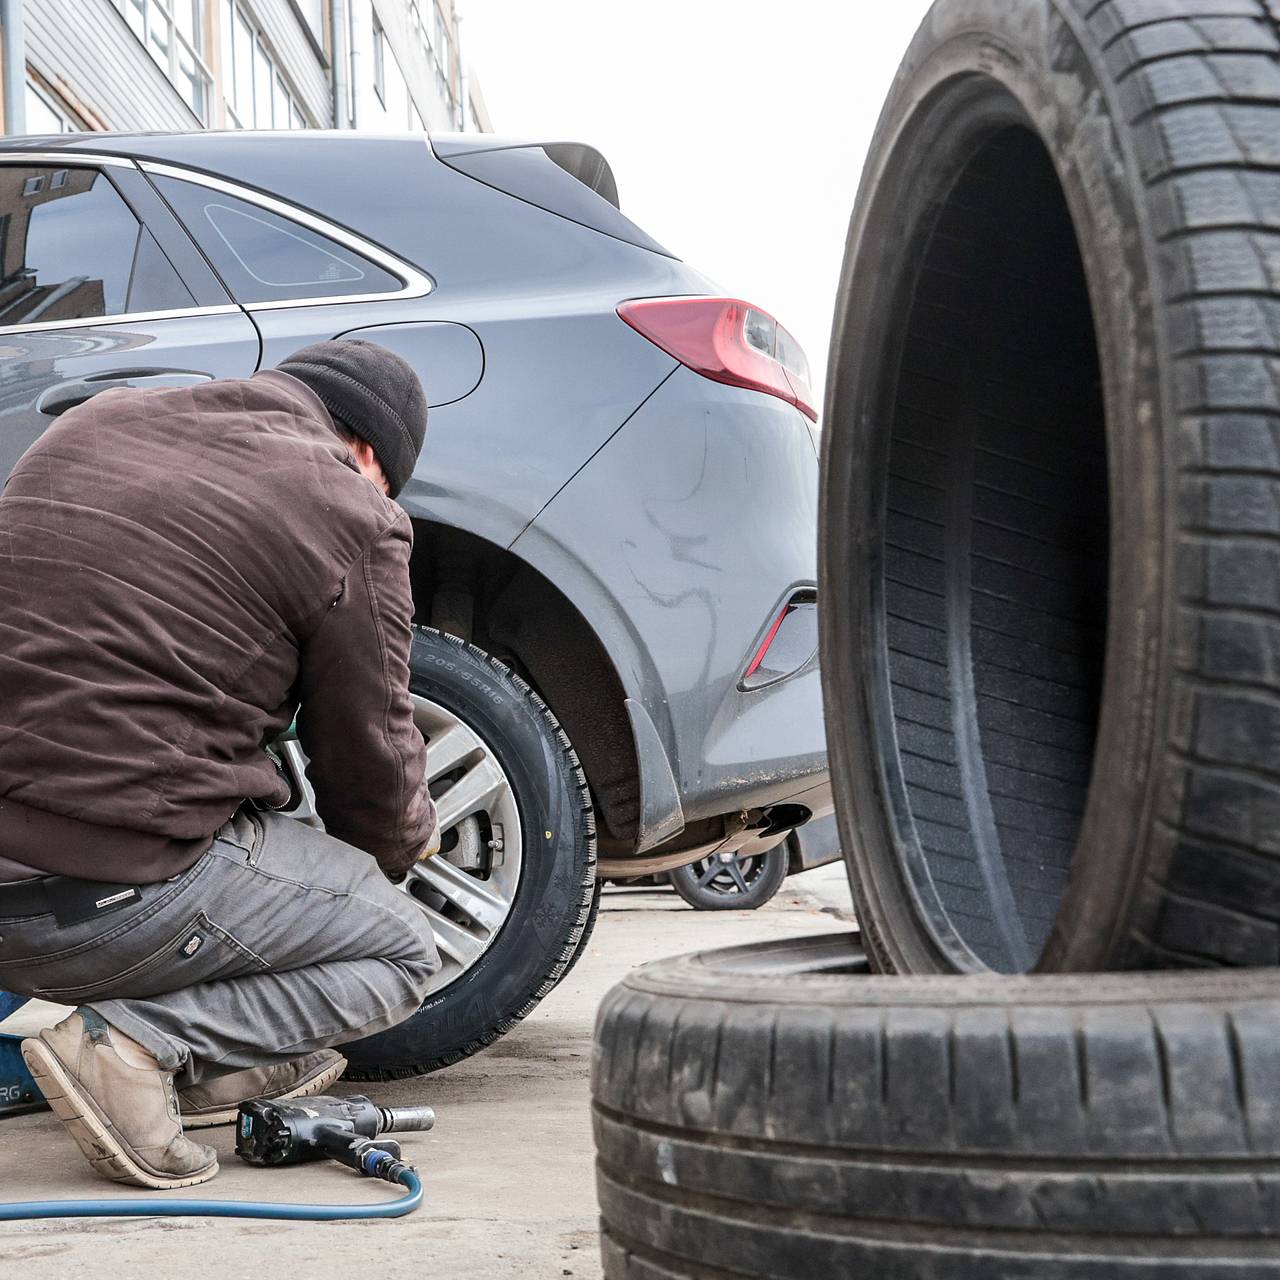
pixel 436 45
pixel 170 67
pixel 318 35
pixel 417 283
pixel 380 61
pixel 53 104
pixel 110 170
pixel 248 38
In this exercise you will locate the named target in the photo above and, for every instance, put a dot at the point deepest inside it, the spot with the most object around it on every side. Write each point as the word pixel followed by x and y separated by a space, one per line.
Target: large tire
pixel 1050 548
pixel 819 1124
pixel 553 899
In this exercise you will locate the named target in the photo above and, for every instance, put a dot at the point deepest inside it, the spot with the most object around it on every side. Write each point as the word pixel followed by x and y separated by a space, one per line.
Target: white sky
pixel 736 128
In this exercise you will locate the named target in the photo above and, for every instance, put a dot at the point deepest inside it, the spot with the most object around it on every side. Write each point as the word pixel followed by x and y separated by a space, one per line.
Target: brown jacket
pixel 178 570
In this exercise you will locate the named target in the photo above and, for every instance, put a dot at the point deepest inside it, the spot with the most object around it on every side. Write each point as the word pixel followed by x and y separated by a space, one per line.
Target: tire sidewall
pixel 1037 69
pixel 538 938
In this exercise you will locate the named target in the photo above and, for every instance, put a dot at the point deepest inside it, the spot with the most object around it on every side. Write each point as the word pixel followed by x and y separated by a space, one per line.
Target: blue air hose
pixel 159 1207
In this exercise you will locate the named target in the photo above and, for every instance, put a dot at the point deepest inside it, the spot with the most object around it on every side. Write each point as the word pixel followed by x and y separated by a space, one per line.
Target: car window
pixel 71 249
pixel 263 257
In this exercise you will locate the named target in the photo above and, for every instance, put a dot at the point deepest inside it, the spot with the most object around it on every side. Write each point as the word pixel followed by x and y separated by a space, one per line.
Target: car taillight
pixel 726 340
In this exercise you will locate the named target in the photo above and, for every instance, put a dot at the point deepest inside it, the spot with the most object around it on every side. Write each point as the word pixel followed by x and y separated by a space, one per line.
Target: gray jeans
pixel 280 940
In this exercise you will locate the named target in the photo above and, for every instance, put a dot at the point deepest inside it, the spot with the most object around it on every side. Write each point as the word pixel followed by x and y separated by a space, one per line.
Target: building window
pixel 256 93
pixel 313 15
pixel 441 41
pixel 432 35
pixel 173 33
pixel 45 115
pixel 379 61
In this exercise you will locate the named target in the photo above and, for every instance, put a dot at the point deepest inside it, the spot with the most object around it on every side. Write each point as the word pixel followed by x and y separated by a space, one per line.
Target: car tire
pixel 593 916
pixel 743 885
pixel 552 900
pixel 1050 563
pixel 771 1110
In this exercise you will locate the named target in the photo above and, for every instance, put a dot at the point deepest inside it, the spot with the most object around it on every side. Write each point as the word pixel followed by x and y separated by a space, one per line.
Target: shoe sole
pixel 90 1129
pixel 206 1119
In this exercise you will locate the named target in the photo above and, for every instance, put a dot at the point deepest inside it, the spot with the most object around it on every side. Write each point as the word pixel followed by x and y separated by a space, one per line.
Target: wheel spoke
pixel 471 792
pixel 447 750
pixel 453 940
pixel 473 910
pixel 713 870
pixel 736 873
pixel 468 894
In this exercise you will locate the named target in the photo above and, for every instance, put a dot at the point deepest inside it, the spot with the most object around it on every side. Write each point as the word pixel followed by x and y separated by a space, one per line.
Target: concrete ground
pixel 508 1168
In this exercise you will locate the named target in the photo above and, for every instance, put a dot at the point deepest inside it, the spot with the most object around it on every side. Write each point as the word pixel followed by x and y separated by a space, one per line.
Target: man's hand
pixel 430 849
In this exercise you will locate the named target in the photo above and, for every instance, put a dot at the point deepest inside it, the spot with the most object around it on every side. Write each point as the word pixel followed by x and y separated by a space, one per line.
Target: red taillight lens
pixel 726 340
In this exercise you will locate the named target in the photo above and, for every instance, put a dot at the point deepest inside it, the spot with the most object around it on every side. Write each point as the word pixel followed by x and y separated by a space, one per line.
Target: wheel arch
pixel 467 586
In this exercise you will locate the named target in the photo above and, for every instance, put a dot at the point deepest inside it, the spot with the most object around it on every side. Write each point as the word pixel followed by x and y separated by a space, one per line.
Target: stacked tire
pixel 1051 656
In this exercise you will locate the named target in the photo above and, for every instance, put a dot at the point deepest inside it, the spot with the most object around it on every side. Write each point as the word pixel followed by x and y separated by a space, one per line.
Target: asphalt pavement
pixel 508 1167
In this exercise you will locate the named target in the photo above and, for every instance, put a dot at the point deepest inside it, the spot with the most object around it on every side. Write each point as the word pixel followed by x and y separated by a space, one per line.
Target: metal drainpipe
pixel 338 26
pixel 15 66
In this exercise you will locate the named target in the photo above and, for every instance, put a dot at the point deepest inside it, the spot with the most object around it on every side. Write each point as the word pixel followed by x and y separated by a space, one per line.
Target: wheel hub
pixel 468 889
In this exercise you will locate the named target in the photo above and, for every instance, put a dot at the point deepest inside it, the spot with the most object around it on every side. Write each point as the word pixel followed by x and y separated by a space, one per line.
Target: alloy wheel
pixel 467 889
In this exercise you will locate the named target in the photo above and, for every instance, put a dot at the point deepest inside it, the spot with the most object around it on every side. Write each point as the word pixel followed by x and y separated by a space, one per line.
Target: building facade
pixel 378 65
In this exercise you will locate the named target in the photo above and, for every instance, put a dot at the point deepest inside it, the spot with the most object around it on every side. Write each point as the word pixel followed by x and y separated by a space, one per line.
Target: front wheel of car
pixel 509 893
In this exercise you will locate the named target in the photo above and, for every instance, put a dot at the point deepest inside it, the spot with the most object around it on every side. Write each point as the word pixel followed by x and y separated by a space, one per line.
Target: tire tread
pixel 1198 83
pixel 934 1113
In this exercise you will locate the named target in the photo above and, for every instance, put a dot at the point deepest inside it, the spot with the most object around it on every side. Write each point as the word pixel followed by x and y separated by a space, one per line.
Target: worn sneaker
pixel 124 1118
pixel 217 1101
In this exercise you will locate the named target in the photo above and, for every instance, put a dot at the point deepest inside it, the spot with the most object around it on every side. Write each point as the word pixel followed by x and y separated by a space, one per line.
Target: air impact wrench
pixel 343 1129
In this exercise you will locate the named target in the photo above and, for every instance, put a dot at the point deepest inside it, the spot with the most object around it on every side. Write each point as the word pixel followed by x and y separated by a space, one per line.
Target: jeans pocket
pixel 200 951
pixel 244 831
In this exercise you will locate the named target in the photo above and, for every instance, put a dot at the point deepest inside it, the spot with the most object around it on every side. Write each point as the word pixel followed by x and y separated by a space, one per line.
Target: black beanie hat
pixel 371 393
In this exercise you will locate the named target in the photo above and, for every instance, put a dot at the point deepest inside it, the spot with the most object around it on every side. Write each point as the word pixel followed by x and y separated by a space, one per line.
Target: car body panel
pixel 452 353
pixel 673 561
pixel 546 405
pixel 36 360
pixel 496 456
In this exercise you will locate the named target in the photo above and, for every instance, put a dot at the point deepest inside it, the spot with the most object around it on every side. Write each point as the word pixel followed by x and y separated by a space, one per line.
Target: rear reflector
pixel 790 642
pixel 726 340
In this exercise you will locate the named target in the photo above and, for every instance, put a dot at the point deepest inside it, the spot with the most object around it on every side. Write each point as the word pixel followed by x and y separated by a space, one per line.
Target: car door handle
pixel 66 395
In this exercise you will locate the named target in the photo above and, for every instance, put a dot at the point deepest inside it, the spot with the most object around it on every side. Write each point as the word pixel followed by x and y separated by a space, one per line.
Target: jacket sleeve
pixel 368 759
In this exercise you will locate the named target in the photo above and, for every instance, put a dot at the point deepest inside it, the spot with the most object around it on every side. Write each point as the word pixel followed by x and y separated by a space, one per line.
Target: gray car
pixel 614 565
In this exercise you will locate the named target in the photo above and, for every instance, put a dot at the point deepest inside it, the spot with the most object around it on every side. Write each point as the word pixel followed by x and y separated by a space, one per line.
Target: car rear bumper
pixel 679 542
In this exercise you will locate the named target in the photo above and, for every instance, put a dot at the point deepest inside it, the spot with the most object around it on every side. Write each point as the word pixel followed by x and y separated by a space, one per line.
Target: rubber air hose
pixel 145 1207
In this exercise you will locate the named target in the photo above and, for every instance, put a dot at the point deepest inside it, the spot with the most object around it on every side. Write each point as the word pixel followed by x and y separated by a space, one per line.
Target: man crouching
pixel 180 572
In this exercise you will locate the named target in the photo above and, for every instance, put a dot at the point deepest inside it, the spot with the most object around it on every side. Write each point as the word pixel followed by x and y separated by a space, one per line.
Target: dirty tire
pixel 763 873
pixel 825 1123
pixel 553 901
pixel 1050 547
